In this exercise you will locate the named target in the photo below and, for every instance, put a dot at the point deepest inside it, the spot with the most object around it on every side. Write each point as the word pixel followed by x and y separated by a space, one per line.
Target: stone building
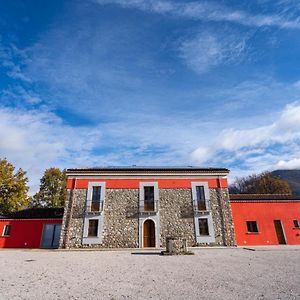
pixel 138 207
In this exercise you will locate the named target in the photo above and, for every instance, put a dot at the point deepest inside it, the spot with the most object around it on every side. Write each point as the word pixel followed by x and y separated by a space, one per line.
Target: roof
pixel 133 169
pixel 263 198
pixel 36 213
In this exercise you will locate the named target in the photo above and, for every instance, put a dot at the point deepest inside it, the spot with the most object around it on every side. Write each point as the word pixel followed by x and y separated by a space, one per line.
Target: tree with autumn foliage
pixel 13 188
pixel 264 183
pixel 52 191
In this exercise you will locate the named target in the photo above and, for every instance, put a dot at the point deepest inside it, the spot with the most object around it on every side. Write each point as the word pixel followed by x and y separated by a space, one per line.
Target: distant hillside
pixel 292 177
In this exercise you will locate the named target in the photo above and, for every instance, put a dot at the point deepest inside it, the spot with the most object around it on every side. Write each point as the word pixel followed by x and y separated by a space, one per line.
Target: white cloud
pixel 208 11
pixel 208 50
pixel 258 148
pixel 36 140
pixel 289 164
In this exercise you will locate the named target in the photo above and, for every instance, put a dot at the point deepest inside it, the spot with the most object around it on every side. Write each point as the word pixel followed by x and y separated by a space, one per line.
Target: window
pixel 96 197
pixel 296 223
pixel 252 226
pixel 149 198
pixel 201 203
pixel 93 228
pixel 6 231
pixel 203 226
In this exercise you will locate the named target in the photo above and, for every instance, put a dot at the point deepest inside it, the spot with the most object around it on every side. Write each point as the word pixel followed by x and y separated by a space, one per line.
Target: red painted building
pixel 31 228
pixel 266 219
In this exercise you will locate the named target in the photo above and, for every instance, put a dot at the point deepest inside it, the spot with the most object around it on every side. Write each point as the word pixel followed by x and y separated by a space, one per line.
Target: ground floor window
pixel 252 226
pixel 93 228
pixel 6 231
pixel 203 226
pixel 296 223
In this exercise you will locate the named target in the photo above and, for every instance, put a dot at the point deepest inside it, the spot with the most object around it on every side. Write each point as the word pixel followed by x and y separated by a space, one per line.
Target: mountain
pixel 292 177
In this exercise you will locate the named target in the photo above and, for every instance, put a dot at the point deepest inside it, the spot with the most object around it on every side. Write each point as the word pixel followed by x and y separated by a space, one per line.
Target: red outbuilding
pixel 31 228
pixel 266 219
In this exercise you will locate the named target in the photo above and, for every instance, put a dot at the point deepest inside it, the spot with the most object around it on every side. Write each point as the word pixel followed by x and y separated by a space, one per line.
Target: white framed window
pixel 204 228
pixel 94 217
pixel 149 197
pixel 95 197
pixel 6 230
pixel 201 198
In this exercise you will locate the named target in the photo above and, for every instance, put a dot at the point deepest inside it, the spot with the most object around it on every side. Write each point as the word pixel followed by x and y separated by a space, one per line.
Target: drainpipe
pixel 69 215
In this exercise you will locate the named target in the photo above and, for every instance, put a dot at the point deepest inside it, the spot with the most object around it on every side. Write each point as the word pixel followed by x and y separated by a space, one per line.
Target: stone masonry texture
pixel 121 217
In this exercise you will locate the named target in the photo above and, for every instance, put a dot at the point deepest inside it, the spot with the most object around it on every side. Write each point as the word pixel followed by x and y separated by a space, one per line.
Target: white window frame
pixel 206 193
pixel 98 239
pixel 142 193
pixel 154 217
pixel 91 185
pixel 203 239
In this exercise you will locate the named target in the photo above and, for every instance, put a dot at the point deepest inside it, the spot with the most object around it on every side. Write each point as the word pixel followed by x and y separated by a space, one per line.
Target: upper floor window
pixel 296 223
pixel 201 202
pixel 200 195
pixel 6 231
pixel 252 226
pixel 96 198
pixel 149 198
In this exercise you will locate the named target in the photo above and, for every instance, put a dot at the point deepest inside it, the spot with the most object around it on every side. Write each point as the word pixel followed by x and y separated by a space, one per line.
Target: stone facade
pixel 121 217
pixel 176 215
pixel 222 217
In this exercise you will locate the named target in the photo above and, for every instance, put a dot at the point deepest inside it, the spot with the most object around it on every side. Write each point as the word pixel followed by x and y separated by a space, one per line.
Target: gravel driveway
pixel 209 274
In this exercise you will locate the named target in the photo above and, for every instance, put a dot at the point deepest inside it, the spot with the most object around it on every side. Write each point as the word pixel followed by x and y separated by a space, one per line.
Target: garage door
pixel 51 235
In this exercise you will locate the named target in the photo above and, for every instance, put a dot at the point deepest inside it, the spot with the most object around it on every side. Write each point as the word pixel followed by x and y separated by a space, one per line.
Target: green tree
pixel 264 183
pixel 52 191
pixel 13 188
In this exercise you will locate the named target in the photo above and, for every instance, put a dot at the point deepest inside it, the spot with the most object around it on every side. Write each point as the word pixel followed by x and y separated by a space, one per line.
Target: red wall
pixel 24 233
pixel 265 213
pixel 135 183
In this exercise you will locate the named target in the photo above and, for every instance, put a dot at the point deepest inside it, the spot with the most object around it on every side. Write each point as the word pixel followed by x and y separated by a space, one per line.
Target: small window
pixel 93 228
pixel 96 193
pixel 252 226
pixel 203 226
pixel 296 223
pixel 6 231
pixel 201 203
pixel 96 196
pixel 149 198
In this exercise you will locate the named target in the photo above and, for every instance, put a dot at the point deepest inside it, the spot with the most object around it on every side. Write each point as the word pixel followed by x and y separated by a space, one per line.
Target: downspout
pixel 69 215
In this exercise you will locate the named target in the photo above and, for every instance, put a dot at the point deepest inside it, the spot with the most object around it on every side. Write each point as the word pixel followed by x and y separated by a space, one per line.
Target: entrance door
pixel 149 233
pixel 51 235
pixel 279 232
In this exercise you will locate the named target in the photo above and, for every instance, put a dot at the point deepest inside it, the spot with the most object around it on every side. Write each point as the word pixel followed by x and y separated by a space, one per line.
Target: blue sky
pixel 115 82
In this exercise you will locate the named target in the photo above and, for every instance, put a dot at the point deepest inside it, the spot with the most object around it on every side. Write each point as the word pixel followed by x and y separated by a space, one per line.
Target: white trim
pixel 85 238
pixel 155 217
pixel 201 239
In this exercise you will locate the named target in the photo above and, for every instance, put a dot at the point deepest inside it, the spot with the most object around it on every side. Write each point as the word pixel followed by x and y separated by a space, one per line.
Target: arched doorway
pixel 149 233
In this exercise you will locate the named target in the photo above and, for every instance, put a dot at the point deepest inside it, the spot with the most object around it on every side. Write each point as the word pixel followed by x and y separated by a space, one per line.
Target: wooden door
pixel 279 232
pixel 149 233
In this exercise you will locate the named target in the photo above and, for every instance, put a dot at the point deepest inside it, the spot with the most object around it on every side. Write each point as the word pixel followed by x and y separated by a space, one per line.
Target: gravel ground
pixel 267 273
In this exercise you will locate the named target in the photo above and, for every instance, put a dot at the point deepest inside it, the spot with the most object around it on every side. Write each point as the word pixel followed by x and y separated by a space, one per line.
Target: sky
pixel 152 83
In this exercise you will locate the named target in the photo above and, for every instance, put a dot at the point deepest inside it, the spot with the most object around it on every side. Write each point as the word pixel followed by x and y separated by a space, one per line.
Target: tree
pixel 52 191
pixel 264 183
pixel 13 188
